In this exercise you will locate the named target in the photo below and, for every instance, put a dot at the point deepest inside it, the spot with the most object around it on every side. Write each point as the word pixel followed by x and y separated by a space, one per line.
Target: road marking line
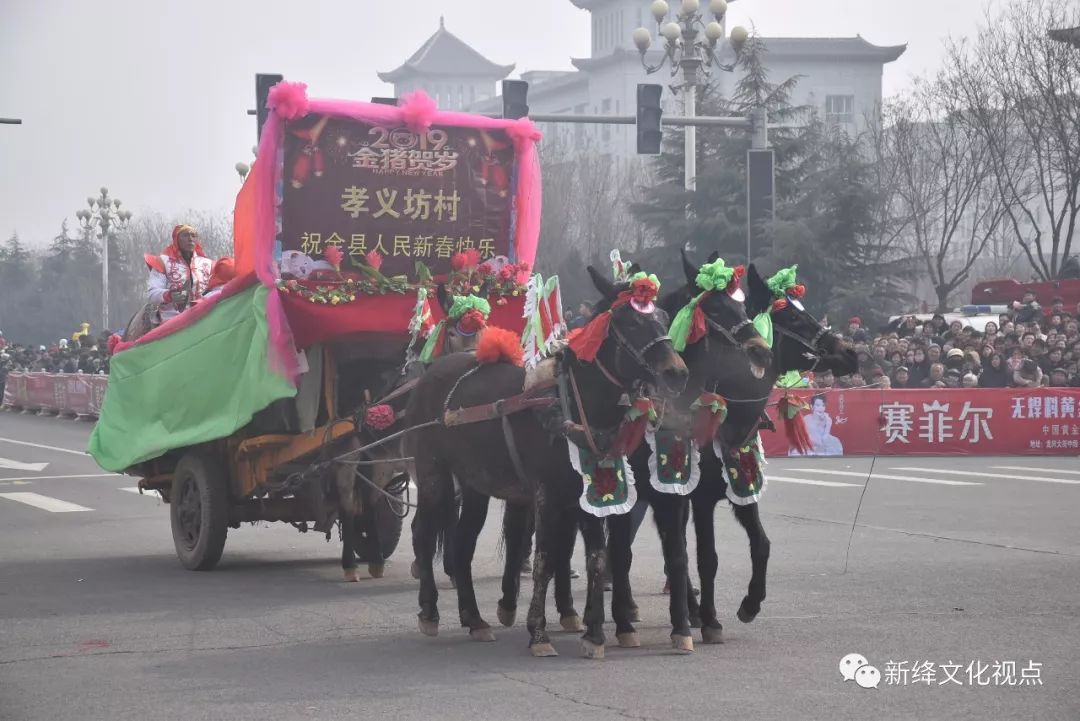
pixel 48 448
pixel 1036 469
pixel 135 489
pixel 11 465
pixel 803 481
pixel 980 474
pixel 57 478
pixel 45 503
pixel 909 479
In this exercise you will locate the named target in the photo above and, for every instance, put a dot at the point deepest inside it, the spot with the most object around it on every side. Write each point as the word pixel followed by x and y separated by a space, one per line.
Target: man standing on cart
pixel 180 275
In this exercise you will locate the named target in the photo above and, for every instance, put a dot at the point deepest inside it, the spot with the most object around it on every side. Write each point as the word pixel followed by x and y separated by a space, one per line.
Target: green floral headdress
pixel 689 324
pixel 461 306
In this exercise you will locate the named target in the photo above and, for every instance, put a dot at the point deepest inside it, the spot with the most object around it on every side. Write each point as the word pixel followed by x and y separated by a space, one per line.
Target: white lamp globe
pixel 689 7
pixel 659 10
pixel 714 31
pixel 642 39
pixel 671 31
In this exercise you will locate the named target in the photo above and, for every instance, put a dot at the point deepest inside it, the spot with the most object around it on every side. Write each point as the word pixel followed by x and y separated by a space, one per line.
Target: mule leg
pixel 592 530
pixel 372 544
pixel 432 483
pixel 564 596
pixel 474 508
pixel 671 522
pixel 750 519
pixel 348 541
pixel 707 563
pixel 621 556
pixel 515 526
pixel 450 537
pixel 550 526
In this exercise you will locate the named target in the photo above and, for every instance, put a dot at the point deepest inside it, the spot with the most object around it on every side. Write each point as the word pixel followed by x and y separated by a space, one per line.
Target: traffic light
pixel 649 112
pixel 263 83
pixel 515 97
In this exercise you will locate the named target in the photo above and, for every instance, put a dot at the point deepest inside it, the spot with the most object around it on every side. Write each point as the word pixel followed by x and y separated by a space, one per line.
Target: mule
pixel 535 472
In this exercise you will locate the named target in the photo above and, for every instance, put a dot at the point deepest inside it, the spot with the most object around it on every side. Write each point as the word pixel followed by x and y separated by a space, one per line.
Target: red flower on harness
pixel 379 418
pixel 471 322
pixel 779 304
pixel 644 291
pixel 736 280
pixel 605 480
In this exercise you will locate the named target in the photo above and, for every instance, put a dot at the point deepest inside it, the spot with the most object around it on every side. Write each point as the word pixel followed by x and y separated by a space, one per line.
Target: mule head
pixel 637 349
pixel 727 320
pixel 801 341
pixel 458 338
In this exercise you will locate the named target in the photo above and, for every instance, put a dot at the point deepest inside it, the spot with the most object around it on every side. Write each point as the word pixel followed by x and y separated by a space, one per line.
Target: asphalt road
pixel 969 563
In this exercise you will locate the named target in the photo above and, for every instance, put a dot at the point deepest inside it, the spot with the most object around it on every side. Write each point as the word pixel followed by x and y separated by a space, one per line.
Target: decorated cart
pixel 353 214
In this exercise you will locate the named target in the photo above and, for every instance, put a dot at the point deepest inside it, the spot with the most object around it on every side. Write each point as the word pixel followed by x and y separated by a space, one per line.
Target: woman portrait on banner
pixel 819 426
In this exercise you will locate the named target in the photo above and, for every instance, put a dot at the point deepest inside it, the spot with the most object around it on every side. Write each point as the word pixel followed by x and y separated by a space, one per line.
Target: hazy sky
pixel 149 97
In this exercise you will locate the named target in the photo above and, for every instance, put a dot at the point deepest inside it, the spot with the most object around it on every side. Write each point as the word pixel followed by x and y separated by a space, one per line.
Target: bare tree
pixel 945 185
pixel 1020 89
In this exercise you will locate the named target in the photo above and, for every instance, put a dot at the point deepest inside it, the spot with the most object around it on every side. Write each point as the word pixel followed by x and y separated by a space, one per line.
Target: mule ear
pixel 445 301
pixel 760 295
pixel 602 284
pixel 714 256
pixel 634 269
pixel 689 268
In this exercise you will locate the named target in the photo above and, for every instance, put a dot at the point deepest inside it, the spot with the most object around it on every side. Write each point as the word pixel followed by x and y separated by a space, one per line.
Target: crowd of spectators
pixel 86 354
pixel 1027 347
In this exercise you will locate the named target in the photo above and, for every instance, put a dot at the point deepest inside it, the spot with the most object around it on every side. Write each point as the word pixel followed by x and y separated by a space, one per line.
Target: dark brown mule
pixel 363 506
pixel 537 471
pixel 800 343
pixel 731 346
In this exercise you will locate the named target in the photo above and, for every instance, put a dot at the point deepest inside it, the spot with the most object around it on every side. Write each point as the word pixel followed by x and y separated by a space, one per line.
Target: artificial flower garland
pixel 585 342
pixel 689 325
pixel 469 312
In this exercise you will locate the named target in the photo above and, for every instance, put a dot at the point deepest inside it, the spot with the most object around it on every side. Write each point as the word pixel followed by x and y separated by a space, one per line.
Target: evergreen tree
pixel 17 283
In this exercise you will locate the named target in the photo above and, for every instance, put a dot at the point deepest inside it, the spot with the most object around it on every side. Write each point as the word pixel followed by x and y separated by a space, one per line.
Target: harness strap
pixel 581 413
pixel 511 447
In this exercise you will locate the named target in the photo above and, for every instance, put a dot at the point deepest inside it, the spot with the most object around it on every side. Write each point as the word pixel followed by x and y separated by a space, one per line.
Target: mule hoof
pixel 376 570
pixel 712 634
pixel 429 628
pixel 682 644
pixel 572 624
pixel 352 575
pixel 745 615
pixel 414 570
pixel 543 650
pixel 592 650
pixel 506 618
pixel 628 640
pixel 483 635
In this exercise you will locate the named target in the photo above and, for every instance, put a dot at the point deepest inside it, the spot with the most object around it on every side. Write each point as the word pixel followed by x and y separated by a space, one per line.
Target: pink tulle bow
pixel 418 111
pixel 289 100
pixel 523 131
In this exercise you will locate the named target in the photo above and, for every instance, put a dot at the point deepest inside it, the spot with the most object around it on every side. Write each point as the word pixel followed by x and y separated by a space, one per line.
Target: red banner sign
pixel 66 394
pixel 411 197
pixel 984 421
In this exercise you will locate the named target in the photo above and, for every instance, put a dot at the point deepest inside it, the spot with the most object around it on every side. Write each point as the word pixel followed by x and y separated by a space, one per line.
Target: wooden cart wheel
pixel 199 510
pixel 389 524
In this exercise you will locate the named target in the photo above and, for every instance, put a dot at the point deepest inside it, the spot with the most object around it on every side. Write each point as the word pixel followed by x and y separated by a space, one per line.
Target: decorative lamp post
pixel 242 169
pixel 691 48
pixel 104 215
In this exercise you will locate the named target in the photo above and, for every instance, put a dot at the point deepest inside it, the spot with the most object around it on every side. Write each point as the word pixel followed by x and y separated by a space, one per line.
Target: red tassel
pixel 585 342
pixel 795 430
pixel 630 435
pixel 706 426
pixel 698 329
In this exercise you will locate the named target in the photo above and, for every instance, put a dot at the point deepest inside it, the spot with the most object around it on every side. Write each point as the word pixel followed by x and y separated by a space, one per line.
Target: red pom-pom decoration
pixel 798 291
pixel 779 304
pixel 736 279
pixel 458 261
pixel 289 100
pixel 379 418
pixel 498 345
pixel 114 340
pixel 644 291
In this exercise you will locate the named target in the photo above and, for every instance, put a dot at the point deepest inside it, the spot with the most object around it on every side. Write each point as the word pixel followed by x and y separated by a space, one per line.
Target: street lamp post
pixel 103 215
pixel 690 47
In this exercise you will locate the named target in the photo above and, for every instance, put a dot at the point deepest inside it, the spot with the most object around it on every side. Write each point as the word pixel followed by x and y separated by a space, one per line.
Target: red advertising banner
pixel 411 197
pixel 962 421
pixel 67 394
